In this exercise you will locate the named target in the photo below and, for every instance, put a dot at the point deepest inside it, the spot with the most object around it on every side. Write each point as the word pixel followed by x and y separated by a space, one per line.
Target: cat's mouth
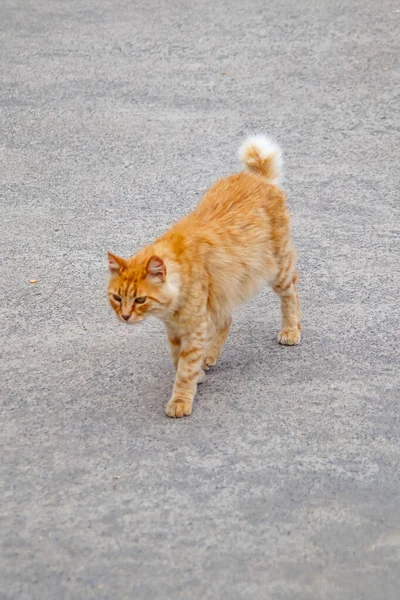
pixel 133 319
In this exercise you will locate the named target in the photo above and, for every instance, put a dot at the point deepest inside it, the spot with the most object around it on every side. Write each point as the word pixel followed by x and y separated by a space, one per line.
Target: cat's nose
pixel 126 317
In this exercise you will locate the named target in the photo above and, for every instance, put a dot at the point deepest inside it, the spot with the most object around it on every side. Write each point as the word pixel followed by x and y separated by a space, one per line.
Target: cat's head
pixel 140 286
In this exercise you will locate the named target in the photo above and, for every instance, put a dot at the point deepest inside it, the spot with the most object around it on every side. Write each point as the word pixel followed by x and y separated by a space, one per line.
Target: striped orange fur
pixel 236 240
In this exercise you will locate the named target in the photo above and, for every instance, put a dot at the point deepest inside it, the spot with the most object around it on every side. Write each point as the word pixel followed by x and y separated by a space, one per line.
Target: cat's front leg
pixel 189 372
pixel 175 346
pixel 216 341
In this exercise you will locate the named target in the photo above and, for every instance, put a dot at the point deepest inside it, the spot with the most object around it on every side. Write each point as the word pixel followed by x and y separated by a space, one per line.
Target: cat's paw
pixel 202 377
pixel 210 360
pixel 177 408
pixel 289 336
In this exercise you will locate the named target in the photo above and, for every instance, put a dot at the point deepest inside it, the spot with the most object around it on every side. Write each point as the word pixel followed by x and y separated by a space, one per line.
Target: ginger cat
pixel 236 240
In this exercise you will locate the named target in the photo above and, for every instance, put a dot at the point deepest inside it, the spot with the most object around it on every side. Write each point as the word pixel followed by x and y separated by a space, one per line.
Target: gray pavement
pixel 284 484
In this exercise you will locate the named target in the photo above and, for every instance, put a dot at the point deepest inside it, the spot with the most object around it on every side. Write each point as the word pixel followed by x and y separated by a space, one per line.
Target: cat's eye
pixel 140 300
pixel 117 298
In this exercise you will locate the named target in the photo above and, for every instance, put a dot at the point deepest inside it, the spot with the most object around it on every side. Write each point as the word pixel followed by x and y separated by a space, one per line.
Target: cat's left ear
pixel 156 268
pixel 115 263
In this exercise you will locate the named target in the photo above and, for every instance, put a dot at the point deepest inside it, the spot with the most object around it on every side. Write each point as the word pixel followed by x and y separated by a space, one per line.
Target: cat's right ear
pixel 115 263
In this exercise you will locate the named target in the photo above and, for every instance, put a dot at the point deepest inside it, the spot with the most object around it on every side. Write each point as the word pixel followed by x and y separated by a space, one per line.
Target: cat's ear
pixel 115 263
pixel 156 268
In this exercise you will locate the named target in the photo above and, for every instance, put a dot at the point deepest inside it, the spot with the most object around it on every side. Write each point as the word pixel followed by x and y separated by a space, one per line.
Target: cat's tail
pixel 262 156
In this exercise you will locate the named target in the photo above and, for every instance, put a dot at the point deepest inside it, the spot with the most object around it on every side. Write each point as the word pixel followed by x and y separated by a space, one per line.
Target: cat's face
pixel 140 288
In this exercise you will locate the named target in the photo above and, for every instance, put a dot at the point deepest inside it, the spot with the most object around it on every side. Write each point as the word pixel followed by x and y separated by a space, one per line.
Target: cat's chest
pixel 181 324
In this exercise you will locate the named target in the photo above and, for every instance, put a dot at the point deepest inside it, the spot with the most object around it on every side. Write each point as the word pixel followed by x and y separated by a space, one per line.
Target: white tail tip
pixel 262 156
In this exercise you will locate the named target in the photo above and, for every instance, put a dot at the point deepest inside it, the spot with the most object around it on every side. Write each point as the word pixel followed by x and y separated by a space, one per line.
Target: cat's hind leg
pixel 286 287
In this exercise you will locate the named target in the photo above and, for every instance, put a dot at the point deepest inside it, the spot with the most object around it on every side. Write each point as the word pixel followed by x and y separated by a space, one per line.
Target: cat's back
pixel 239 198
pixel 236 192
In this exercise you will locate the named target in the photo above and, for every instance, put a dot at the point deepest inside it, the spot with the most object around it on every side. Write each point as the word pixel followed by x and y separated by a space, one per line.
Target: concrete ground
pixel 284 484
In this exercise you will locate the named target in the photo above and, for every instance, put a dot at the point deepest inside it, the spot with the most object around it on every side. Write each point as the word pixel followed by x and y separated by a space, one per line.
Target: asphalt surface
pixel 284 484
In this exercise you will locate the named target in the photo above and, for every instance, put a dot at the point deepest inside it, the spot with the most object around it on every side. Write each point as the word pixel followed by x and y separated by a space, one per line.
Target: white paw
pixel 289 336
